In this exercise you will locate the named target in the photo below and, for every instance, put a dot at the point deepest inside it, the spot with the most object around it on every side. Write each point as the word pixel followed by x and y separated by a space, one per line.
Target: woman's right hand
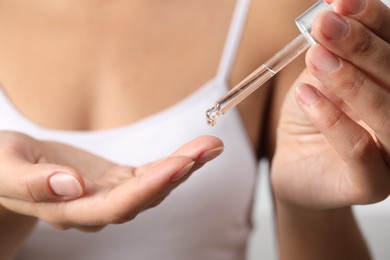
pixel 70 188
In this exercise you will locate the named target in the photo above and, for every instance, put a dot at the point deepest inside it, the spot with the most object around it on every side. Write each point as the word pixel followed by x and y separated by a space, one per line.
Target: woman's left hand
pixel 337 153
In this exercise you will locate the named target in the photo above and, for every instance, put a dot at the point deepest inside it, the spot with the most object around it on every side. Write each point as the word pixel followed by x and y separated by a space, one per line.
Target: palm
pixel 111 197
pixel 311 167
pixel 310 171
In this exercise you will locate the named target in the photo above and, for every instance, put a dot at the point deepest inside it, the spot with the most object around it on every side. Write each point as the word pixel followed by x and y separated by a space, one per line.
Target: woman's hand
pixel 68 187
pixel 337 153
pixel 333 141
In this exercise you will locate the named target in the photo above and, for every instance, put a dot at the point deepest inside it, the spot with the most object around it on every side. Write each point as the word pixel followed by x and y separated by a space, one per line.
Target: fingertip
pixel 49 182
pixel 307 95
pixel 195 148
pixel 351 7
pixel 66 185
pixel 210 154
pixel 209 140
pixel 312 54
pixel 321 59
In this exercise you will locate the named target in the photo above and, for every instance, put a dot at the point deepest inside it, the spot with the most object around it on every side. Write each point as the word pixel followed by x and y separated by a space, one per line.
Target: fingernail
pixel 307 94
pixel 186 169
pixel 65 185
pixel 210 154
pixel 323 60
pixel 353 6
pixel 334 27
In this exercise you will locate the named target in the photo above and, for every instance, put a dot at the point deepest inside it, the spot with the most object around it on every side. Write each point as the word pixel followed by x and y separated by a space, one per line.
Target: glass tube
pixel 257 78
pixel 272 66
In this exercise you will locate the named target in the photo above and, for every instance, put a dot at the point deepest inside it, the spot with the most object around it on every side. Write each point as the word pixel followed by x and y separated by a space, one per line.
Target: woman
pixel 99 87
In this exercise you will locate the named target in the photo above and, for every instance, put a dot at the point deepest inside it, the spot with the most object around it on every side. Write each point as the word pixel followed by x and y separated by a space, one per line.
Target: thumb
pixel 41 182
pixel 66 183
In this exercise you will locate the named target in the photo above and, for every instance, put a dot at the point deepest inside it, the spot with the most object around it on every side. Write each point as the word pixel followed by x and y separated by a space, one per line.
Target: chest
pixel 77 66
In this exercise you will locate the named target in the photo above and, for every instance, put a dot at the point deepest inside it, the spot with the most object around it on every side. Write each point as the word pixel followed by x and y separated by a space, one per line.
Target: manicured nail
pixel 65 185
pixel 307 94
pixel 323 60
pixel 353 6
pixel 210 154
pixel 186 169
pixel 334 27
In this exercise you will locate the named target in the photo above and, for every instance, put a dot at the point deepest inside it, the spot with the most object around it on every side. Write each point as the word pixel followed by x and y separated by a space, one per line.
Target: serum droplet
pixel 212 115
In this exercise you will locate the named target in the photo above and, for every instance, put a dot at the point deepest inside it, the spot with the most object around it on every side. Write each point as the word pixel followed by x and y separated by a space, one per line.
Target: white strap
pixel 233 40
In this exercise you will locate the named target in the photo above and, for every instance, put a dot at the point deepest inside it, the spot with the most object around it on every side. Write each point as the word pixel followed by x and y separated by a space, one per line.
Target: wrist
pixel 308 215
pixel 305 233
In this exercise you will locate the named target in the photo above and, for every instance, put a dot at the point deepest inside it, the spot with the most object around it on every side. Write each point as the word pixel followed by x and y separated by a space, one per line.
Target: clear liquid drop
pixel 212 114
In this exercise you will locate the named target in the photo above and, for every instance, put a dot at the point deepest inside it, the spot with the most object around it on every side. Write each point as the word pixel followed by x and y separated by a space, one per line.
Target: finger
pixel 144 190
pixel 200 150
pixel 358 91
pixel 352 41
pixel 373 14
pixel 22 180
pixel 157 180
pixel 23 177
pixel 130 198
pixel 198 146
pixel 351 141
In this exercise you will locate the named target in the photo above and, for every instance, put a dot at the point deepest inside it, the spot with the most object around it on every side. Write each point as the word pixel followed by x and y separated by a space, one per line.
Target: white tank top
pixel 207 217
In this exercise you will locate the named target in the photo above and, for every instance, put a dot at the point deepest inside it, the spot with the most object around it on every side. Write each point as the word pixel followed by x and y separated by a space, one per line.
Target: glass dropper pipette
pixel 272 66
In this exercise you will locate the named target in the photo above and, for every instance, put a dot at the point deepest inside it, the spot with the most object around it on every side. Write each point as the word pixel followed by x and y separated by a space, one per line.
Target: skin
pixel 343 135
pixel 322 144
